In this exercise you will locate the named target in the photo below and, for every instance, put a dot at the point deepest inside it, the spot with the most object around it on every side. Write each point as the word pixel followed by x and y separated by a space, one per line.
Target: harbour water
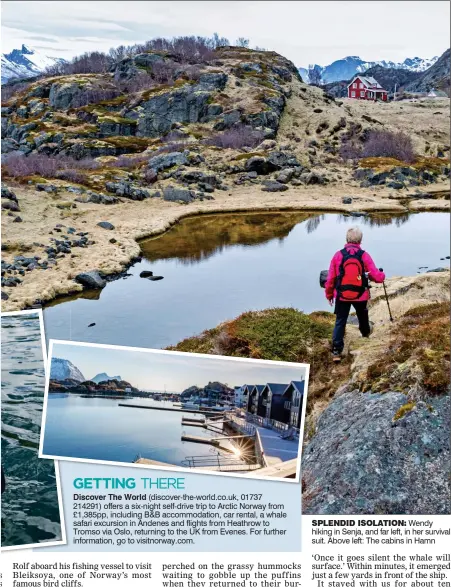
pixel 99 429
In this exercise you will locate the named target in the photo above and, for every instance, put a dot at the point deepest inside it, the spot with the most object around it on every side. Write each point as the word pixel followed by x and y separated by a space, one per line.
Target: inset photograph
pixel 201 413
pixel 31 509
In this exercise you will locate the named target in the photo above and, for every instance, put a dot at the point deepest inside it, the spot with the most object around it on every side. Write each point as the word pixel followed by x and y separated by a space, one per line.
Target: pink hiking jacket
pixel 373 272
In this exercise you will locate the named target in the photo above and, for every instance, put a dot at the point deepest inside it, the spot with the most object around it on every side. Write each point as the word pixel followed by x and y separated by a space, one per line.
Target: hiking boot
pixel 370 332
pixel 336 356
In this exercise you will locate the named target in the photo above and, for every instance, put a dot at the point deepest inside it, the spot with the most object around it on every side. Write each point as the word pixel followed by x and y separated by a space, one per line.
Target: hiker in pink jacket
pixel 347 283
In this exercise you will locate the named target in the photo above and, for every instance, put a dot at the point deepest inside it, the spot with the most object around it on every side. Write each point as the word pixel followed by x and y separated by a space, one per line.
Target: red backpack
pixel 352 280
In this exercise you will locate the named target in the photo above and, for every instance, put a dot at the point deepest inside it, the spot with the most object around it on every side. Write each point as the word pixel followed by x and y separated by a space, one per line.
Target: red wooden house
pixel 366 88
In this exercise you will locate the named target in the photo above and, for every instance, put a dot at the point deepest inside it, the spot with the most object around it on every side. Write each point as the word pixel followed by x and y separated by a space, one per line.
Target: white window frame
pixel 352 94
pixel 354 85
pixel 362 93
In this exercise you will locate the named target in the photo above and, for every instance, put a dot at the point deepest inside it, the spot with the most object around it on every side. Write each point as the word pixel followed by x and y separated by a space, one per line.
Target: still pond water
pixel 99 429
pixel 216 267
pixel 29 505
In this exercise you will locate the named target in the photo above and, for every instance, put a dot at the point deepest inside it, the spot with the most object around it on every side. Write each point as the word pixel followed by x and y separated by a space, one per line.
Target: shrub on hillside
pixel 384 143
pixel 11 89
pixel 236 137
pixel 90 62
pixel 48 166
pixel 377 143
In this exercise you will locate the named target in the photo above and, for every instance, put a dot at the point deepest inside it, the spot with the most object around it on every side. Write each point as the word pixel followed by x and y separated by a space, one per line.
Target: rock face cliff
pixel 368 457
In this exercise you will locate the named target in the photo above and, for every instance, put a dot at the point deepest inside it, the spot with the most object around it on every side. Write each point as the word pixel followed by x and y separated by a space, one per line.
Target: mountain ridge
pixel 25 62
pixel 100 377
pixel 347 67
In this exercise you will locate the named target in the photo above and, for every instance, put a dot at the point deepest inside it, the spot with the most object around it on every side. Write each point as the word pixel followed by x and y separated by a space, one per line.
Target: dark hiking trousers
pixel 341 311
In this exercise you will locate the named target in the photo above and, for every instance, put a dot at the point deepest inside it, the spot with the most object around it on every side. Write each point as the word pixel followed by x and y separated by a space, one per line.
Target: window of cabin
pixel 360 85
pixel 354 85
pixel 353 94
pixel 362 94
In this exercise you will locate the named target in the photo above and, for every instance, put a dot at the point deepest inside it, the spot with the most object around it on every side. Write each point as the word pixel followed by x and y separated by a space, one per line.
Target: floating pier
pixel 202 412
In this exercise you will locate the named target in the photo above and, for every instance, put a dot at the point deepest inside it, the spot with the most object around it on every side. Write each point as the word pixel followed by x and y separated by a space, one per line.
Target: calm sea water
pixel 97 428
pixel 216 267
pixel 30 512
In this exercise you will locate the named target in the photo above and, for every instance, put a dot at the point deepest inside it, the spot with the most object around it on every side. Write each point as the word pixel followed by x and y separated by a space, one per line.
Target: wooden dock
pixel 194 424
pixel 202 412
pixel 200 439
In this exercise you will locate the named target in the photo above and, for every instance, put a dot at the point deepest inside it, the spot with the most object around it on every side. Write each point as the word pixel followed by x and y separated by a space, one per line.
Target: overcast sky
pixel 305 32
pixel 154 371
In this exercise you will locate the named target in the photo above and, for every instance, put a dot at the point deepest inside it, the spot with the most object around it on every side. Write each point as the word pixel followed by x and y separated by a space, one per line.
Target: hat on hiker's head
pixel 354 235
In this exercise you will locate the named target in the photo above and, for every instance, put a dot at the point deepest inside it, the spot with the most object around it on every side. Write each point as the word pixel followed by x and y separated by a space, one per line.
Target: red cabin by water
pixel 366 88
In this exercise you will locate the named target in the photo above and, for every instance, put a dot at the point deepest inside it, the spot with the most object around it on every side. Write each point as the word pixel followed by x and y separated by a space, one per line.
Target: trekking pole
pixel 386 297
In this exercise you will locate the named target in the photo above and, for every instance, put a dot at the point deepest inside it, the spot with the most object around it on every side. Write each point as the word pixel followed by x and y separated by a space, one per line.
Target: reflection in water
pixel 375 219
pixel 99 429
pixel 30 512
pixel 198 238
pixel 216 267
pixel 313 223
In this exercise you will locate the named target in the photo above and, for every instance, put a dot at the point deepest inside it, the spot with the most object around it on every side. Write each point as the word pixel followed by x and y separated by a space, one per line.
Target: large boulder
pixel 271 185
pixel 175 194
pixel 91 280
pixel 166 160
pixel 369 456
pixel 8 193
pixel 258 164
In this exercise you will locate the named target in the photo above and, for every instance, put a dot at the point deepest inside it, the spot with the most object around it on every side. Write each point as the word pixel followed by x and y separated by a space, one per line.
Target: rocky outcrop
pixel 126 189
pixel 130 67
pixel 377 454
pixel 157 114
pixel 62 96
pixel 401 177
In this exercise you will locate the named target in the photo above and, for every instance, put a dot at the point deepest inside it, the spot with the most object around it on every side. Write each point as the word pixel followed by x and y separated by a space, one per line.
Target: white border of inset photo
pixel 57 470
pixel 186 470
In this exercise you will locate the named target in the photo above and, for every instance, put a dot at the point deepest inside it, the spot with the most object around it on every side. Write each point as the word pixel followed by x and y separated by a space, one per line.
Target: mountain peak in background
pixel 25 62
pixel 105 377
pixel 64 369
pixel 347 67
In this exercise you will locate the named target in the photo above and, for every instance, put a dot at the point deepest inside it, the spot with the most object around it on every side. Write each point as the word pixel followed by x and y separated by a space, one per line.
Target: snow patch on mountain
pixel 105 377
pixel 25 62
pixel 64 369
